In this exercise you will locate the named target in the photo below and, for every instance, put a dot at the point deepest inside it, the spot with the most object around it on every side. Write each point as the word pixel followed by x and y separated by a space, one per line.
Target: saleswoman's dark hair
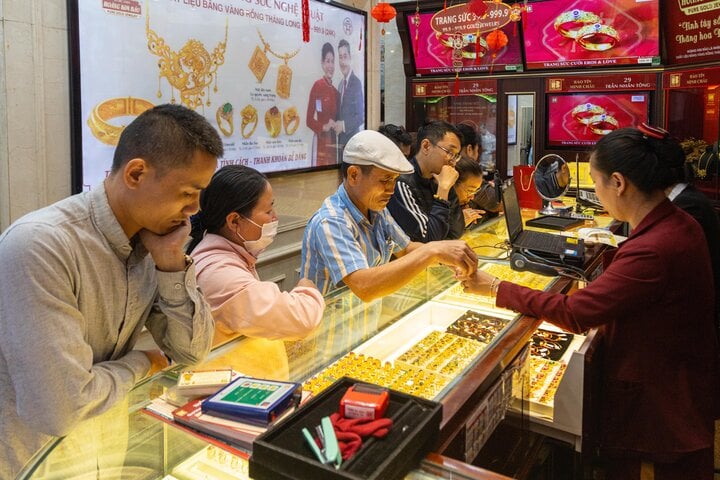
pixel 233 188
pixel 651 161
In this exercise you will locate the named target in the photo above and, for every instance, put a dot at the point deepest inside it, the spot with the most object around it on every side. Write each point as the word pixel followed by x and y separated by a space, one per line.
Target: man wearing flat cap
pixel 352 238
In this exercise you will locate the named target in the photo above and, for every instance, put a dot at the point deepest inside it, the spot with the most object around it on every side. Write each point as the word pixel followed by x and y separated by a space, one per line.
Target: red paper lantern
pixel 496 41
pixel 478 7
pixel 383 12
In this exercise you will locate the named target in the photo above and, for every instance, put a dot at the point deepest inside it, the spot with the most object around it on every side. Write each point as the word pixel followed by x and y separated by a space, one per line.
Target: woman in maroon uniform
pixel 321 111
pixel 654 306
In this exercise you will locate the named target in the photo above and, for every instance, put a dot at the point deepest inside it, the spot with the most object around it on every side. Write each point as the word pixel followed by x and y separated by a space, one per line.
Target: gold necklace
pixel 284 78
pixel 191 70
pixel 702 172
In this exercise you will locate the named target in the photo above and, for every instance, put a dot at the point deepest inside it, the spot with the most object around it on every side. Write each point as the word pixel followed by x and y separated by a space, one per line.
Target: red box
pixel 364 401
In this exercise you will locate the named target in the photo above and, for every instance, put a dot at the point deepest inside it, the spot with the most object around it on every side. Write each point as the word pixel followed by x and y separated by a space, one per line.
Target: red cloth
pixel 351 432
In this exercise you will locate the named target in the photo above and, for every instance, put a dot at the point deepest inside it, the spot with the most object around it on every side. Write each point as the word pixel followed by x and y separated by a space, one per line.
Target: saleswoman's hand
pixel 480 283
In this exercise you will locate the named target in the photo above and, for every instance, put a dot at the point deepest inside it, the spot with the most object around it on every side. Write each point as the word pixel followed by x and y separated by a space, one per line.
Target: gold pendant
pixel 259 64
pixel 284 81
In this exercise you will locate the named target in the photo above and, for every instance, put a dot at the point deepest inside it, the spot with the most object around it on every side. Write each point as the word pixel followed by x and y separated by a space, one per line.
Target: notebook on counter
pixel 548 245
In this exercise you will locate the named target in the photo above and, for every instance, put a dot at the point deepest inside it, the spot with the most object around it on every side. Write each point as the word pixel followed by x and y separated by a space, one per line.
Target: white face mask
pixel 267 235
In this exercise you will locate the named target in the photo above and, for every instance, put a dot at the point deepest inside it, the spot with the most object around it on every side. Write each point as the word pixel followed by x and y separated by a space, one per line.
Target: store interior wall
pixel 35 164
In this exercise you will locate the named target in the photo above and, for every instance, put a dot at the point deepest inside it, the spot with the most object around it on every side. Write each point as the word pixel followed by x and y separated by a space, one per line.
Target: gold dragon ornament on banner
pixel 191 70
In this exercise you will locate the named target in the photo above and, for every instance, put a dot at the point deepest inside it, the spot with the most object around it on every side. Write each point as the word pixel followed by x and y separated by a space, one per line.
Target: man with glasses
pixel 422 200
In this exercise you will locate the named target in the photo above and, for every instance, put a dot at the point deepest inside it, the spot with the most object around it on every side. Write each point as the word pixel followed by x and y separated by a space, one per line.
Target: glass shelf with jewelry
pixel 427 339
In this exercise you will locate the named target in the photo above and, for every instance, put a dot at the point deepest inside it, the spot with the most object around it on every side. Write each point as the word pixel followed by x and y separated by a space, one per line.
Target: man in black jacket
pixel 422 200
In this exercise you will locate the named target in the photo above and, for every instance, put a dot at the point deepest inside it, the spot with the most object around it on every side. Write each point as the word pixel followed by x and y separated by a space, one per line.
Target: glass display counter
pixel 428 338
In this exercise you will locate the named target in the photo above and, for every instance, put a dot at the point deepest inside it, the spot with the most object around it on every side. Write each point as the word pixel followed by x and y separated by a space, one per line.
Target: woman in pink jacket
pixel 236 222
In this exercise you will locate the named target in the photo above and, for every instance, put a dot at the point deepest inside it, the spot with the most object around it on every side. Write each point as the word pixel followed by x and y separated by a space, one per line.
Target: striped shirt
pixel 339 240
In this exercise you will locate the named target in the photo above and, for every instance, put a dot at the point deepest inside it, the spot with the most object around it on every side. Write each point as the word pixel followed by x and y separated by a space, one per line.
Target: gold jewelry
pixel 291 120
pixel 702 172
pixel 575 18
pixel 273 122
pixel 462 42
pixel 191 70
pixel 602 124
pixel 284 79
pixel 259 64
pixel 114 107
pixel 597 37
pixel 522 183
pixel 249 117
pixel 585 111
pixel 494 286
pixel 225 112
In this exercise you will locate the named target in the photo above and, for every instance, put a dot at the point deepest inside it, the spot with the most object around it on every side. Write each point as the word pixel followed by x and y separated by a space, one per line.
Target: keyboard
pixel 547 242
pixel 588 198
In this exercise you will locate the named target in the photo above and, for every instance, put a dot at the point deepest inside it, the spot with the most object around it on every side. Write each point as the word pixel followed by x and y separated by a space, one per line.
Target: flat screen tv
pixel 581 119
pixel 591 33
pixel 432 41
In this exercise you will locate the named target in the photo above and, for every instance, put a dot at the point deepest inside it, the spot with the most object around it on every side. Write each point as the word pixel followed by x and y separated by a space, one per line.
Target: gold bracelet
pixel 114 107
pixel 494 286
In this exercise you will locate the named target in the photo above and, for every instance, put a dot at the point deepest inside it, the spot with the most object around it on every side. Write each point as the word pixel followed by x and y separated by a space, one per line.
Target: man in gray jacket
pixel 82 277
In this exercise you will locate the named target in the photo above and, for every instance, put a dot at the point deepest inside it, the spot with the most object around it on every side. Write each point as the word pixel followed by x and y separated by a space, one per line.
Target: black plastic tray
pixel 281 452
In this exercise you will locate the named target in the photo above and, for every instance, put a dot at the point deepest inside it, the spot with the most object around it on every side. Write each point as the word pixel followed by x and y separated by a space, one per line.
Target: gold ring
pixel 585 111
pixel 225 112
pixel 602 124
pixel 249 117
pixel 597 37
pixel 291 120
pixel 114 107
pixel 273 123
pixel 574 18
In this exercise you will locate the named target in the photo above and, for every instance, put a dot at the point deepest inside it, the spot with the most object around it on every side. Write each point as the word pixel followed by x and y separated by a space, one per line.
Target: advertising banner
pixel 465 87
pixel 698 78
pixel 624 81
pixel 278 103
pixel 591 33
pixel 693 31
pixel 455 39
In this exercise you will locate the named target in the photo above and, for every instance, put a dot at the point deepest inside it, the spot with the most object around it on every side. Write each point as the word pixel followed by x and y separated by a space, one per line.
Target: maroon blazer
pixel 654 304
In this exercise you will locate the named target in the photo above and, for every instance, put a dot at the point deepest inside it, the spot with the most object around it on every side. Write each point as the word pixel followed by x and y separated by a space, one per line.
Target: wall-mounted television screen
pixel 581 119
pixel 447 40
pixel 591 33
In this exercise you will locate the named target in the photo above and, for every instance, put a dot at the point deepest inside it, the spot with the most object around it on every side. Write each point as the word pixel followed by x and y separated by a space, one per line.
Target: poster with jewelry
pixel 273 98
pixel 591 33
